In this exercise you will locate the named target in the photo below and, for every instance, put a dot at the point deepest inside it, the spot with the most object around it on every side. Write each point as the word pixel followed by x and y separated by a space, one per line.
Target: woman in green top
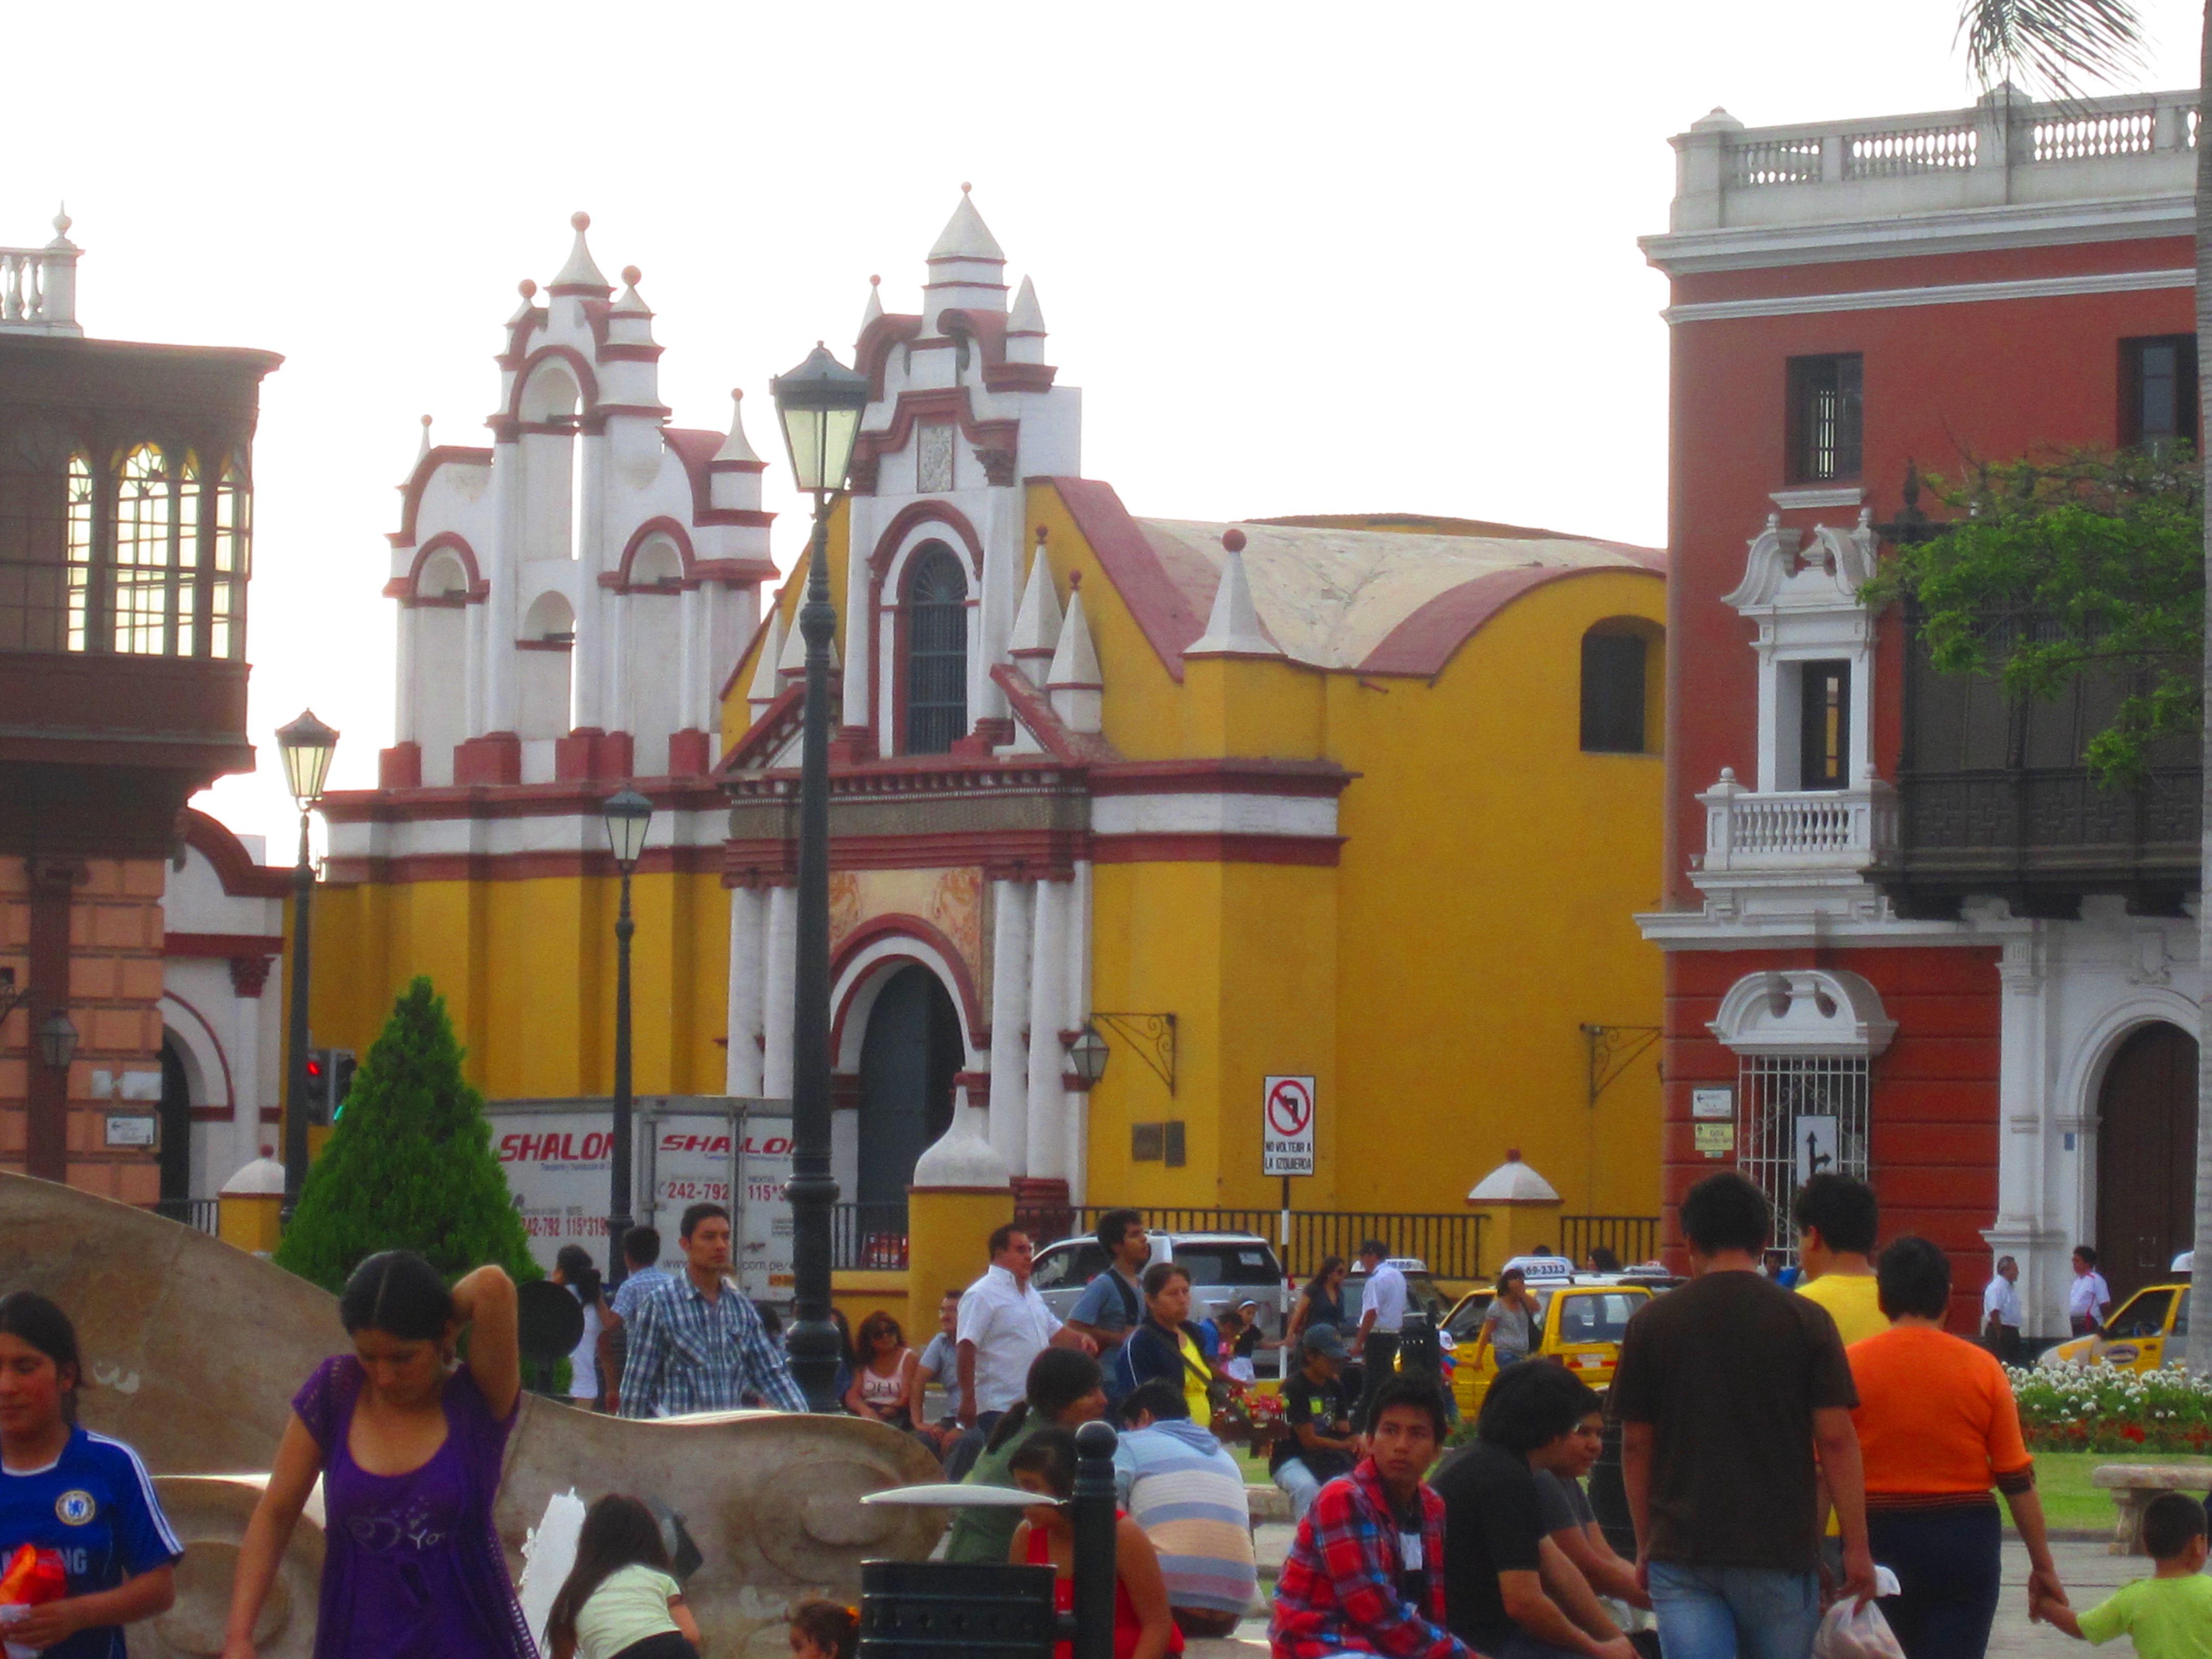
pixel 1064 1387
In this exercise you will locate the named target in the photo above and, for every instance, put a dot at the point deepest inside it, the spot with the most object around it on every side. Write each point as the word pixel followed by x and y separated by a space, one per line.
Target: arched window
pixel 936 651
pixel 232 564
pixel 80 548
pixel 145 527
pixel 1621 661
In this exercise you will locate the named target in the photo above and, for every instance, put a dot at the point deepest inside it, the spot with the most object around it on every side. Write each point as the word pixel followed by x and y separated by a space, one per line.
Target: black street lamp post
pixel 819 404
pixel 628 815
pixel 306 746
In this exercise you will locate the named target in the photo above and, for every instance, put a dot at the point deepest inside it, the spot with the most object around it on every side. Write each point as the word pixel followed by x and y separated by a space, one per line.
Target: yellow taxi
pixel 1580 1322
pixel 2136 1338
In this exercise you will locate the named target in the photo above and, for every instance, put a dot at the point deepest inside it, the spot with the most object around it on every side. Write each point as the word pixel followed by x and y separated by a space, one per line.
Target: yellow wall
pixel 527 969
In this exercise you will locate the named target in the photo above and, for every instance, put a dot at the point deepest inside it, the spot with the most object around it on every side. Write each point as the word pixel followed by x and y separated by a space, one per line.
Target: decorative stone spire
pixel 1027 316
pixel 792 665
pixel 422 452
pixel 1233 628
pixel 1037 622
pixel 579 276
pixel 62 223
pixel 735 447
pixel 528 306
pixel 1078 691
pixel 628 303
pixel 875 306
pixel 967 269
pixel 765 684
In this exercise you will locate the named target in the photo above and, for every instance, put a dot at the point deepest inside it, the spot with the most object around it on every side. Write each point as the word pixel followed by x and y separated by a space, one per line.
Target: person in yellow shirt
pixel 1836 1221
pixel 2168 1615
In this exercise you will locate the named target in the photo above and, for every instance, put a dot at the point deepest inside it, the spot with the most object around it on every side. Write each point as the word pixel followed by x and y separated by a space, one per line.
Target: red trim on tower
pixel 663 526
pixel 224 946
pixel 1320 850
pixel 233 865
pixel 1230 776
pixel 410 493
pixel 408 589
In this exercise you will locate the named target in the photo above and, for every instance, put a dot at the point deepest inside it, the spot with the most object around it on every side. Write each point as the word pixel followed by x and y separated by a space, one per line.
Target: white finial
pixel 875 307
pixel 1073 681
pixel 579 271
pixel 1233 628
pixel 734 447
pixel 62 223
pixel 423 453
pixel 965 236
pixel 630 304
pixel 1027 316
pixel 528 290
pixel 1038 621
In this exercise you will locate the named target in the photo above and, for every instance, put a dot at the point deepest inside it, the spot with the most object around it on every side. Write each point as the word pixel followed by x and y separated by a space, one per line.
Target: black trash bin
pixel 955 1609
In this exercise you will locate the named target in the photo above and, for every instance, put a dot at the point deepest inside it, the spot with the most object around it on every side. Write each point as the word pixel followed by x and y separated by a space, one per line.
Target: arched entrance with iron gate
pixel 2146 1156
pixel 911 1052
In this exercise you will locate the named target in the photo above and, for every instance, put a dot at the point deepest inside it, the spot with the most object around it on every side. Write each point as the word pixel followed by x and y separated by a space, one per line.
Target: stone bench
pixel 1268 1503
pixel 2133 1486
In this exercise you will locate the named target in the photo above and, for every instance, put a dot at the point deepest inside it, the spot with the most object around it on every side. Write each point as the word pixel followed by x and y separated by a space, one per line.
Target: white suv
pixel 1224 1268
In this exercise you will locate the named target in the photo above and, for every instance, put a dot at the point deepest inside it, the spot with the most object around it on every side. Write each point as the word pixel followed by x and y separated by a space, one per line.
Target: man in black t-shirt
pixel 1497 1558
pixel 1317 1444
pixel 1725 1389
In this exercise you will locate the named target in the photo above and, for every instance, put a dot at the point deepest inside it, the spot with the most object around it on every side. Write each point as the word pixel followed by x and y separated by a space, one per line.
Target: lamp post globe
pixel 57 1040
pixel 1087 1055
pixel 306 746
pixel 819 405
pixel 628 815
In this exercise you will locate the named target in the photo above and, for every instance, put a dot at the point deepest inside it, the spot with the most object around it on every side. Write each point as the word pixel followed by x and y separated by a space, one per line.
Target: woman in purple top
pixel 408 1445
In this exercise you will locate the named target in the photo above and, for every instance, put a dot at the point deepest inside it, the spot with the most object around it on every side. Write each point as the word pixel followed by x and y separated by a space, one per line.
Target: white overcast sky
pixel 1301 258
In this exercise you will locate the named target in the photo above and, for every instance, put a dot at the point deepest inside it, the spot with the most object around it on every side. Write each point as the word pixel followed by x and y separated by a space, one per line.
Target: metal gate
pixel 1801 1115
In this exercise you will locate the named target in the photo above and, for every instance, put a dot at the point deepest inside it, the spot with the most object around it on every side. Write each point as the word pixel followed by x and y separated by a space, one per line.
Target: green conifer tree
pixel 409 1164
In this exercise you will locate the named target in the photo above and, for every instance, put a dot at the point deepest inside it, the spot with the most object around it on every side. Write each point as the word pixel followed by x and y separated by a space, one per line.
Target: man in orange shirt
pixel 1937 1428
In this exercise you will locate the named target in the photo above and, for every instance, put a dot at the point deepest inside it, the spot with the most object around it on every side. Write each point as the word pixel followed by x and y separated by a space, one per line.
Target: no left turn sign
pixel 1286 1128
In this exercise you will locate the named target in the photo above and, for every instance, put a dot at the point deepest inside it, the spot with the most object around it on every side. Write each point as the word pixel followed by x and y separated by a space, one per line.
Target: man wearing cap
pixel 1319 1444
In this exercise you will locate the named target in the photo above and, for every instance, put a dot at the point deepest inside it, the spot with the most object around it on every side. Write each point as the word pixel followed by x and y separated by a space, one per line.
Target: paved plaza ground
pixel 2089 1573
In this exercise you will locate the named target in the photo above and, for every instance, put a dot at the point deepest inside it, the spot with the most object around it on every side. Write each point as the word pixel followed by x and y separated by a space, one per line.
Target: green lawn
pixel 2069 1502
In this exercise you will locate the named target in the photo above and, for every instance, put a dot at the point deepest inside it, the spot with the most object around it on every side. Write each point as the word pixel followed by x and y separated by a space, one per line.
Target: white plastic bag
pixel 548 1554
pixel 1849 1630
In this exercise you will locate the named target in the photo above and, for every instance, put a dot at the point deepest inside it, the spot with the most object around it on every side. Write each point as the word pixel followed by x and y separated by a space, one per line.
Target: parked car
pixel 2136 1338
pixel 1580 1322
pixel 1422 1294
pixel 1226 1268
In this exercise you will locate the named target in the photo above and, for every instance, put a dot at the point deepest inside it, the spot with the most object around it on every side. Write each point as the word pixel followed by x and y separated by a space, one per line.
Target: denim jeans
pixel 1735 1613
pixel 1301 1482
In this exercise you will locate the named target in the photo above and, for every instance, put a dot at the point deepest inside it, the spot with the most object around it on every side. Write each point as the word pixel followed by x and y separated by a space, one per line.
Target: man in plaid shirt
pixel 695 1344
pixel 1365 1574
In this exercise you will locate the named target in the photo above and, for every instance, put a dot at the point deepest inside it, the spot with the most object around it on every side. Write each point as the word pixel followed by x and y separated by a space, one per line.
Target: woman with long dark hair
pixel 79 1498
pixel 573 1267
pixel 619 1601
pixel 407 1444
pixel 884 1376
pixel 1144 1623
pixel 1322 1302
pixel 1064 1387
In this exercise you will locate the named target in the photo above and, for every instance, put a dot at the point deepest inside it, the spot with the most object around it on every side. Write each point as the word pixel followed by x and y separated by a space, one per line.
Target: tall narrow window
pixel 184 557
pixel 1612 693
pixel 1799 1115
pixel 232 564
pixel 936 651
pixel 2158 391
pixel 79 554
pixel 1824 725
pixel 145 519
pixel 1822 422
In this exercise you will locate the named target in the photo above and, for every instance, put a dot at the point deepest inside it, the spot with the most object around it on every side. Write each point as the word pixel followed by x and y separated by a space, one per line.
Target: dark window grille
pixel 936 652
pixel 1612 693
pixel 1823 422
pixel 2158 391
pixel 1824 725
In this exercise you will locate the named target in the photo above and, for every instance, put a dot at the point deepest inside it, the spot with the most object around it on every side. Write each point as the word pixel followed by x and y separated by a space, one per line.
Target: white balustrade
pixel 1804 829
pixel 38 286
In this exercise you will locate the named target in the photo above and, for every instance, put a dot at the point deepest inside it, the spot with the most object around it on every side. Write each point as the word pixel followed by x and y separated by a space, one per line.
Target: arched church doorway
pixel 2147 1157
pixel 176 1131
pixel 909 1055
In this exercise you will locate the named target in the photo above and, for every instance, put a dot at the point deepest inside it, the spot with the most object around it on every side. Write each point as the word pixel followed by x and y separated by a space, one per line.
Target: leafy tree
pixel 2087 564
pixel 409 1164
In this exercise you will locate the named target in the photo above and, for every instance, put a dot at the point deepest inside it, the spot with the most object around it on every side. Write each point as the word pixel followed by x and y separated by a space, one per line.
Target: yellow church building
pixel 1367 801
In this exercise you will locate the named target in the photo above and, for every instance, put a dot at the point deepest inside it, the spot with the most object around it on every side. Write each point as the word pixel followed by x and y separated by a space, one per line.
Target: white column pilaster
pixel 748 927
pixel 493 623
pixel 780 962
pixel 593 669
pixel 860 614
pixel 1078 1010
pixel 405 714
pixel 245 1084
pixel 1047 1113
pixel 1012 909
pixel 689 656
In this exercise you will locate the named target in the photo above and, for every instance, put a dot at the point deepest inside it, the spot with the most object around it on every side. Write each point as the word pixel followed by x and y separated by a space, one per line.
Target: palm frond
pixel 2051 45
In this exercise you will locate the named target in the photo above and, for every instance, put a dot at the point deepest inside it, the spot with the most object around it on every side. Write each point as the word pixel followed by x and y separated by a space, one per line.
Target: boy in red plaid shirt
pixel 1365 1573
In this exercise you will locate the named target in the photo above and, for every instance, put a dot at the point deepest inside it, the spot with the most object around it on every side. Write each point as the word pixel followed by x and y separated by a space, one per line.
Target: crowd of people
pixel 1776 1443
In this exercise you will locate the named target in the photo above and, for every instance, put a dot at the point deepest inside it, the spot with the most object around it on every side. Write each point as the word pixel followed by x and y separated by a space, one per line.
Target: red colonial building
pixel 1907 935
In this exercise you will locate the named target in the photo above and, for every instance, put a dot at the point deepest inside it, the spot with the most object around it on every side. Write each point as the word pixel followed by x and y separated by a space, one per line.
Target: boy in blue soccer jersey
pixel 81 1495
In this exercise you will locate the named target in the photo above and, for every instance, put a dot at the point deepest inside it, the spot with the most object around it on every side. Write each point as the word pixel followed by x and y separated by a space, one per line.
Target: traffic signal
pixel 330 1077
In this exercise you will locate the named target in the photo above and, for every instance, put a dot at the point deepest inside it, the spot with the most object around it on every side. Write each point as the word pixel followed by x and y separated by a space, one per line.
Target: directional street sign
pixel 1287 1127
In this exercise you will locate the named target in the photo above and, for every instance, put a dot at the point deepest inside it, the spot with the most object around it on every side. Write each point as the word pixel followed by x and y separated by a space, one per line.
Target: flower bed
pixel 2104 1409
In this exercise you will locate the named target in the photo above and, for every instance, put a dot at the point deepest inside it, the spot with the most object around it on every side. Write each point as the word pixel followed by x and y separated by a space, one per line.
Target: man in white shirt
pixel 1382 1315
pixel 1003 1325
pixel 2001 1312
pixel 2090 1298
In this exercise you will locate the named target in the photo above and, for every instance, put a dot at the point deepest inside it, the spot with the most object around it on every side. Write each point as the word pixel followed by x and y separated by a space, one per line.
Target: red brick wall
pixel 114 996
pixel 1932 1112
